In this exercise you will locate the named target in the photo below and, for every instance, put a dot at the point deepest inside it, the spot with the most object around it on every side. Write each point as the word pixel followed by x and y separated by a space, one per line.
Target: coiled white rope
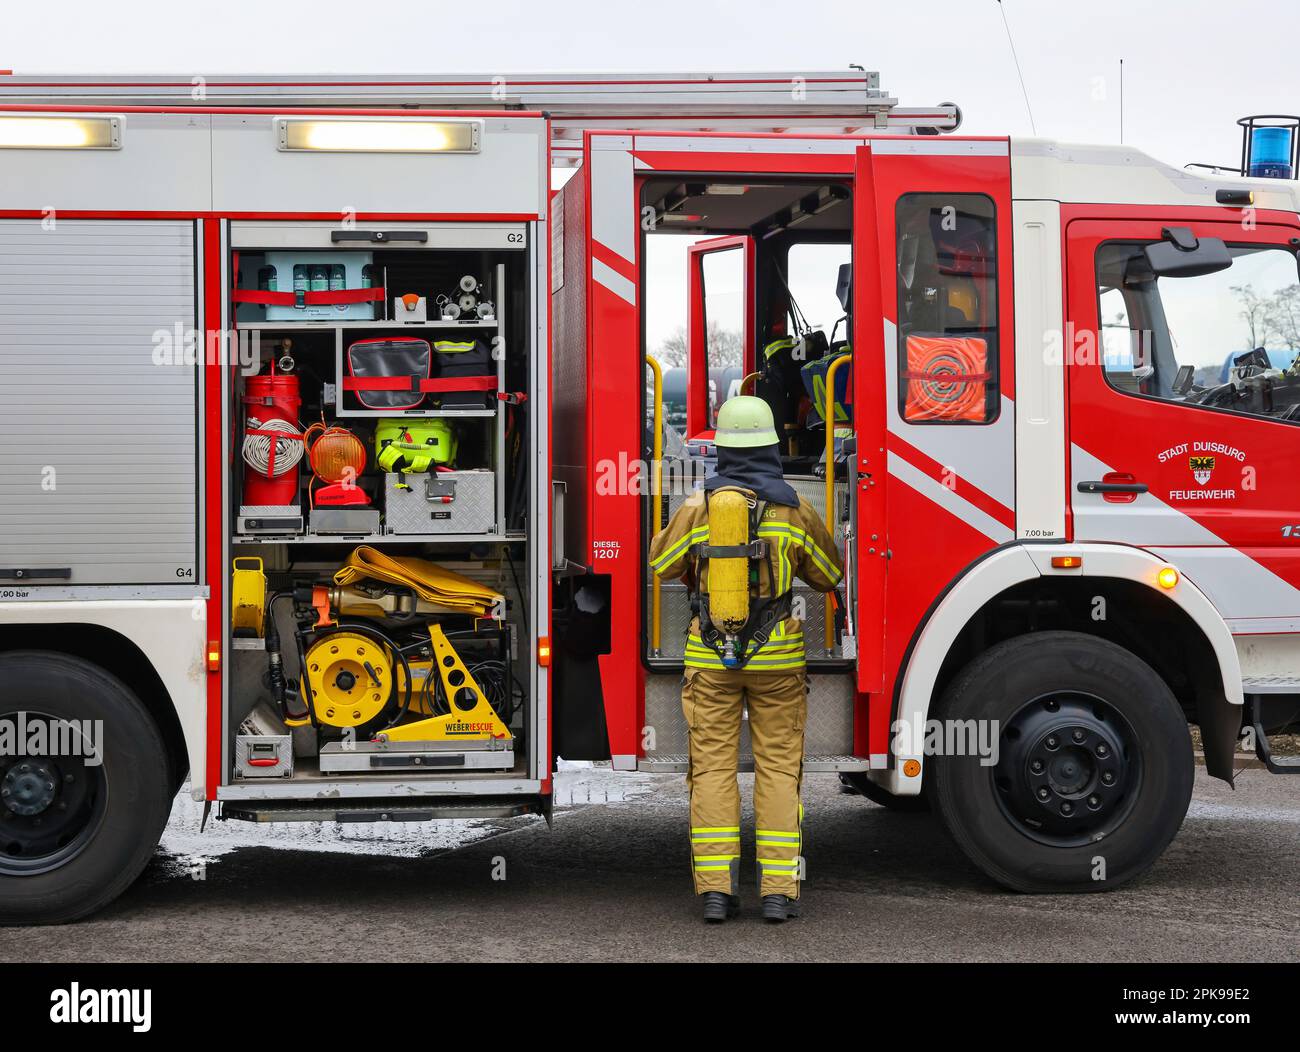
pixel 257 448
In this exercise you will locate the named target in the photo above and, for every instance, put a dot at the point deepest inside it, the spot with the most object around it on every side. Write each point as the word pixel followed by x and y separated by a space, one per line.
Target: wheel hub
pixel 1068 768
pixel 50 806
pixel 30 786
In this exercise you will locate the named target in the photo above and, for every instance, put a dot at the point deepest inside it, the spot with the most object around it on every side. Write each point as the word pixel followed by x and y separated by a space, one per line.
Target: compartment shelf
pixel 374 538
pixel 402 326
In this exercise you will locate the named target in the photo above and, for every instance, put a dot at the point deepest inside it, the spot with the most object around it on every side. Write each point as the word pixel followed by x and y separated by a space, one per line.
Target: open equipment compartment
pixel 379 505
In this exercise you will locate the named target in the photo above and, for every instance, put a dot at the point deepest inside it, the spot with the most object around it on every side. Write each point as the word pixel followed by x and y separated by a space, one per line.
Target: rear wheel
pixel 84 788
pixel 1094 768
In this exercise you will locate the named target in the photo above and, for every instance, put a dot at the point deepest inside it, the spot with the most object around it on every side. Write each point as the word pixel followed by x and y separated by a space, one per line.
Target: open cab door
pixel 720 334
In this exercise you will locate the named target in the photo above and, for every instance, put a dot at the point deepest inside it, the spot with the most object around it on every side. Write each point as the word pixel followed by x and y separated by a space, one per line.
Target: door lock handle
pixel 1112 487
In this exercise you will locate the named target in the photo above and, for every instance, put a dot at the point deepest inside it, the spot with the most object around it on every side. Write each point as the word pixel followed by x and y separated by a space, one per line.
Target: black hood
pixel 756 468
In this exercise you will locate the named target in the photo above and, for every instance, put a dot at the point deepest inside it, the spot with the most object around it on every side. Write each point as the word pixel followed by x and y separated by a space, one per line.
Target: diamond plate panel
pixel 408 510
pixel 829 731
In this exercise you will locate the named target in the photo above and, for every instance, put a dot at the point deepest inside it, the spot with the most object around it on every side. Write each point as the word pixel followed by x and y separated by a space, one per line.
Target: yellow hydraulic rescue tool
pixel 471 715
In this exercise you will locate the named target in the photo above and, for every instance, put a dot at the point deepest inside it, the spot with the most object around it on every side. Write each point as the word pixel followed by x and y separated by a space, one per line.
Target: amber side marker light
pixel 1066 562
pixel 214 656
pixel 911 768
pixel 1167 577
pixel 544 652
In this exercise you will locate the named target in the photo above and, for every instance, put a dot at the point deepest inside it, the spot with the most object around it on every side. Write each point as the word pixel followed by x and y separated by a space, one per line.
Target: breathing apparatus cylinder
pixel 729 575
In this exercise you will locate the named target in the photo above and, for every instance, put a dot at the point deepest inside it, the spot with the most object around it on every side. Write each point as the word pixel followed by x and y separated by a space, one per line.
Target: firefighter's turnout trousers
pixel 777 702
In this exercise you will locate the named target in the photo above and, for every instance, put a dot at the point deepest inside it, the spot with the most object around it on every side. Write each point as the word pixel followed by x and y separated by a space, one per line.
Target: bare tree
pixel 1283 316
pixel 1255 311
pixel 724 348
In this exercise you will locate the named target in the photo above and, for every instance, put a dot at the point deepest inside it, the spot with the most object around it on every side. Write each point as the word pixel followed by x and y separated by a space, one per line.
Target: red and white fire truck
pixel 333 440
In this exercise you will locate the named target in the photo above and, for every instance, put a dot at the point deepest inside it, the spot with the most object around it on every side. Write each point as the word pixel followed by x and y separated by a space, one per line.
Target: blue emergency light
pixel 1270 153
pixel 1268 146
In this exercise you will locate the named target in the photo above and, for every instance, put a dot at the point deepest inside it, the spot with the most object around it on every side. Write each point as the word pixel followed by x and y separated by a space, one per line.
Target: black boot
pixel 719 906
pixel 777 909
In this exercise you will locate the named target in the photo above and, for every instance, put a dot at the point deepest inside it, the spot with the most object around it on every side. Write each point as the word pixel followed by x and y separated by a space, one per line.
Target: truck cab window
pixel 1227 340
pixel 812 269
pixel 724 326
pixel 947 309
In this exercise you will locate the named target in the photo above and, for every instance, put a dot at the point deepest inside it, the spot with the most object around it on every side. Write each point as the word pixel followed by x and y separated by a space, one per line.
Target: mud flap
pixel 1220 725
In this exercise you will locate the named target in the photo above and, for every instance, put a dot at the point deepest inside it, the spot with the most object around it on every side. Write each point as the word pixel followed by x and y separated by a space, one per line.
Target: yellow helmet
pixel 745 421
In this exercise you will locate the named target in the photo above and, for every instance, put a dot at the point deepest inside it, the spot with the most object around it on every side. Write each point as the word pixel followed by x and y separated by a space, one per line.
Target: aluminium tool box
pixel 440 502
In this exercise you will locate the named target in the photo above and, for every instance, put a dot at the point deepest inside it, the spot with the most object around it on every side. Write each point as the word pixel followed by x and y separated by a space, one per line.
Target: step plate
pixel 1270 685
pixel 386 757
pixel 379 810
pixel 662 763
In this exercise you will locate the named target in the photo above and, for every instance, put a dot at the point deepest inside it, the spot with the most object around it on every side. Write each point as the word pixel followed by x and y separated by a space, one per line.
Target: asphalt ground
pixel 610 883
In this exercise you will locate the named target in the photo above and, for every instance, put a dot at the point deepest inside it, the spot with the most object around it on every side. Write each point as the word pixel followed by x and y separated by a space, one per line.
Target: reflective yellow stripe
pixel 805 541
pixel 783 344
pixel 770 665
pixel 771 650
pixel 760 660
pixel 700 533
pixel 776 832
pixel 754 665
pixel 773 645
pixel 715 829
pixel 773 863
pixel 714 858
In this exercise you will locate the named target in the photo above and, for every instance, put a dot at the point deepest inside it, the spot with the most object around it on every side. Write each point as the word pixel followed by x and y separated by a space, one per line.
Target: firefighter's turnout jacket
pixel 799 546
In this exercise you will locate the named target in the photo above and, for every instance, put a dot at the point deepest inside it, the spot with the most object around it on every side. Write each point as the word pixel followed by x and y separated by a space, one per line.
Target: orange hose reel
pixel 947 378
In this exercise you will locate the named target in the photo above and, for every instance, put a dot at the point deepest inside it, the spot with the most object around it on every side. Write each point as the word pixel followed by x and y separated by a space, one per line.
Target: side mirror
pixel 844 287
pixel 1183 255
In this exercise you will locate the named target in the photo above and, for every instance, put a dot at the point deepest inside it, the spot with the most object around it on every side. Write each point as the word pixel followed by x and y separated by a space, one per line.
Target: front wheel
pixel 1093 772
pixel 84 788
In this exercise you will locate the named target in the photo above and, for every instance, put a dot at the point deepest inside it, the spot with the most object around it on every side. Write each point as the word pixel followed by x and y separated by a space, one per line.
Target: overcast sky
pixel 1191 66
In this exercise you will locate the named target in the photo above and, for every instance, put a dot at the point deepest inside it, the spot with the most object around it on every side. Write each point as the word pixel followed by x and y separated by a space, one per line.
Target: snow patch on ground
pixel 578 784
pixel 581 782
pixel 1247 812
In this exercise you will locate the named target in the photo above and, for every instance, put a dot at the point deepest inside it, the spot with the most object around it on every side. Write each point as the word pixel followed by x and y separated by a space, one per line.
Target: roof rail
pixel 847 101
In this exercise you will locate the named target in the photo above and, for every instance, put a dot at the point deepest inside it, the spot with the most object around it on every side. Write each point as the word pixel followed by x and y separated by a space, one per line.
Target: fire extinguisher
pixel 272 440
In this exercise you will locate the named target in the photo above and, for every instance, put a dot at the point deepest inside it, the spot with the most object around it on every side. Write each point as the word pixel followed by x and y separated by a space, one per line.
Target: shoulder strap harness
pixel 764 613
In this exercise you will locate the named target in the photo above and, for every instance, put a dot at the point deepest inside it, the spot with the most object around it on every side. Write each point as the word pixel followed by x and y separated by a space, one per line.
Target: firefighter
pixel 746 659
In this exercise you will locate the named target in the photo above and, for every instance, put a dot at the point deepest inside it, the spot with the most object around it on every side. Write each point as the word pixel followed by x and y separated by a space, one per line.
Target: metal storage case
pixel 461 502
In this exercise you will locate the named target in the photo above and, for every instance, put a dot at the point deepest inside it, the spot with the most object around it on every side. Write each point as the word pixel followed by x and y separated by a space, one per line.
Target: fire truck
pixel 334 437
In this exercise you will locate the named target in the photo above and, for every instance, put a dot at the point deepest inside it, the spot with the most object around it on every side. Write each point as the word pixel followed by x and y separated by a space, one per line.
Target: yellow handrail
pixel 828 416
pixel 752 376
pixel 657 496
